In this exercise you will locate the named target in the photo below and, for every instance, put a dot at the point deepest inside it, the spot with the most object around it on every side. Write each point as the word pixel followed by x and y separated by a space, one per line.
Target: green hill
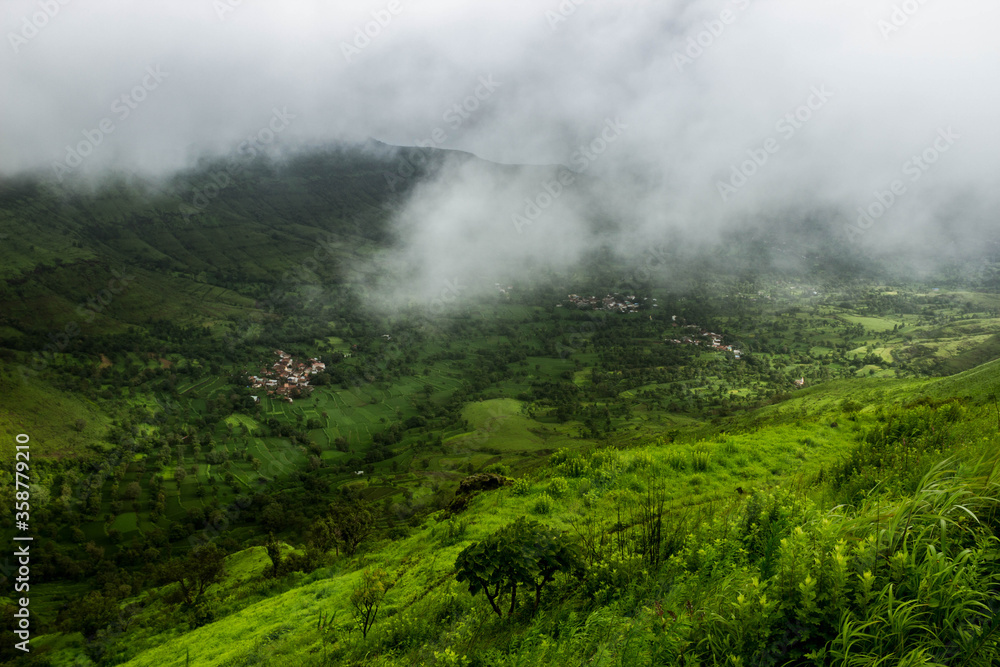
pixel 799 490
pixel 780 568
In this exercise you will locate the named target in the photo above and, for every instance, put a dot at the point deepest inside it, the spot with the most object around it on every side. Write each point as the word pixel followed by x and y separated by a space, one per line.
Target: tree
pixel 93 613
pixel 132 491
pixel 367 597
pixel 274 553
pixel 322 535
pixel 525 552
pixel 352 524
pixel 203 566
pixel 272 517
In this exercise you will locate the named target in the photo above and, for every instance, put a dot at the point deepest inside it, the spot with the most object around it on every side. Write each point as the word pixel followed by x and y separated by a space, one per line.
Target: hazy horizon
pixel 688 119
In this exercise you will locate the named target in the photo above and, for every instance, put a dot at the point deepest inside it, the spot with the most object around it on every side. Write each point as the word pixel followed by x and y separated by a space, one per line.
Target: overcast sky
pixel 693 88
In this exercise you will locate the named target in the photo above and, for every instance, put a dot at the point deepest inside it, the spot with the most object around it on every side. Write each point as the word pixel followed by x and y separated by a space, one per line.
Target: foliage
pixel 367 598
pixel 543 504
pixel 274 553
pixel 204 566
pixel 524 553
pixel 558 487
pixel 352 524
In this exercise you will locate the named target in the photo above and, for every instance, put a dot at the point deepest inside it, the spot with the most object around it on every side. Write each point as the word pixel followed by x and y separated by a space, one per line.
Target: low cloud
pixel 702 86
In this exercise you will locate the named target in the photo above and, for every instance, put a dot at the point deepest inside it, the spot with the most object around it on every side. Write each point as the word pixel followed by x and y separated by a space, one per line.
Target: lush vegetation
pixel 826 498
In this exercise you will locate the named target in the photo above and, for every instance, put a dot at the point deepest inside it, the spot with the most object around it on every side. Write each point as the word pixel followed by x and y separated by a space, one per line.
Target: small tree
pixel 203 567
pixel 352 524
pixel 132 491
pixel 522 553
pixel 322 535
pixel 274 553
pixel 367 597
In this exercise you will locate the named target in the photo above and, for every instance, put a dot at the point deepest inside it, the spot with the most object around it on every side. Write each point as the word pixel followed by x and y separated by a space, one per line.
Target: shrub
pixel 497 469
pixel 676 460
pixel 521 487
pixel 562 455
pixel 543 505
pixel 605 458
pixel 573 467
pixel 639 461
pixel 448 658
pixel 558 487
pixel 367 597
pixel 523 553
pixel 699 458
pixel 603 477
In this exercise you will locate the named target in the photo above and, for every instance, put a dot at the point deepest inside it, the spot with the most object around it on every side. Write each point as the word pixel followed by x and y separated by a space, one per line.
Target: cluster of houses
pixel 286 378
pixel 614 302
pixel 713 342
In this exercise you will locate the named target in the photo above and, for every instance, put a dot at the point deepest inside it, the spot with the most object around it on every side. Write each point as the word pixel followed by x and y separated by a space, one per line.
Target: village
pixel 286 378
pixel 713 342
pixel 612 302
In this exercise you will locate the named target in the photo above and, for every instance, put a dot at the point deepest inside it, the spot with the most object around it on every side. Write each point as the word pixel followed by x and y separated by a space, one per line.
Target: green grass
pixel 48 416
pixel 790 443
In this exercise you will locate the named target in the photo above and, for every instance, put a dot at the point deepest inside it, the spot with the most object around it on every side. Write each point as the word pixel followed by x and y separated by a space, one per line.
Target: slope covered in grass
pixel 851 523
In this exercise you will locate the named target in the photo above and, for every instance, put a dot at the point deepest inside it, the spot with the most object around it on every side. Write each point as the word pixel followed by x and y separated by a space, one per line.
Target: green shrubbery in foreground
pixel 889 557
pixel 776 581
pixel 909 576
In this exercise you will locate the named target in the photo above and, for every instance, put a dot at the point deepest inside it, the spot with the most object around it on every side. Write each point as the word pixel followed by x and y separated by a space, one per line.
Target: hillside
pixel 670 448
pixel 779 568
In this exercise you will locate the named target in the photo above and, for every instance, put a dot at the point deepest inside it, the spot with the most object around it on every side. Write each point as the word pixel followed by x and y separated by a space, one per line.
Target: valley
pixel 193 401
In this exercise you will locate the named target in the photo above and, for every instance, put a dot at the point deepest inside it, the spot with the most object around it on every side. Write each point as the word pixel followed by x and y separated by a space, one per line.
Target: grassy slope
pixel 783 445
pixel 48 416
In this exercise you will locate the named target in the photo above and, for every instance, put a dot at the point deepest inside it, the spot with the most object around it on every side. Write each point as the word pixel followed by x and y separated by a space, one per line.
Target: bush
pixel 558 487
pixel 543 505
pixel 562 455
pixel 639 461
pixel 603 478
pixel 605 458
pixel 497 469
pixel 574 467
pixel 523 553
pixel 521 487
pixel 699 458
pixel 676 460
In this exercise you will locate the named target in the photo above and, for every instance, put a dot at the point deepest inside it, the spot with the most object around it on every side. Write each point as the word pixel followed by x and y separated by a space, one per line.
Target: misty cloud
pixel 702 87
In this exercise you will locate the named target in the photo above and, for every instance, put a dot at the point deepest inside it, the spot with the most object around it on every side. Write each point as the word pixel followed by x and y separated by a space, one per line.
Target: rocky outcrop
pixel 473 485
